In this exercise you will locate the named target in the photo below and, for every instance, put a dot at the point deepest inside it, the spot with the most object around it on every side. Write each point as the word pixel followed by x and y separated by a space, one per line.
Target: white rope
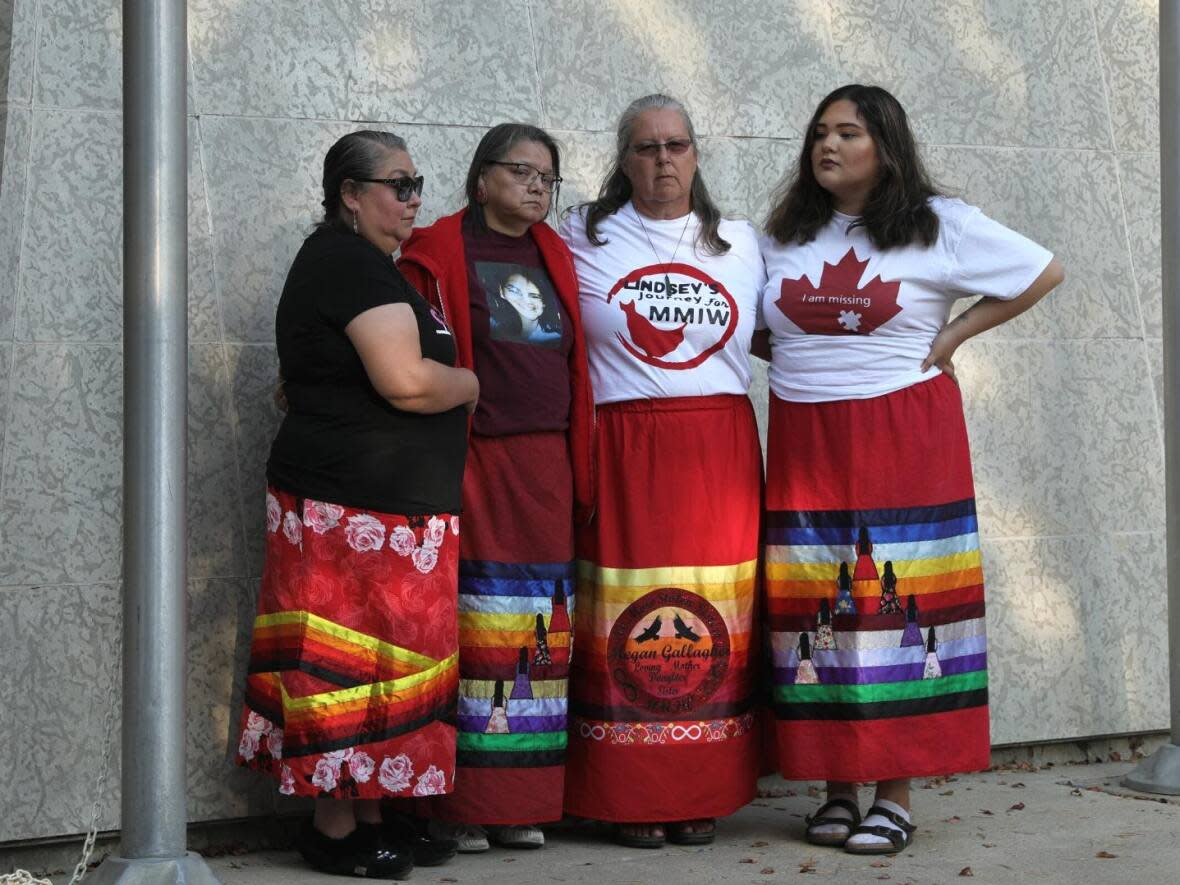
pixel 104 768
pixel 24 877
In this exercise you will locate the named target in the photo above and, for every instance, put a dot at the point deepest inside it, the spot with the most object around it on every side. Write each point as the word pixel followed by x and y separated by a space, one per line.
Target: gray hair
pixel 356 156
pixel 616 188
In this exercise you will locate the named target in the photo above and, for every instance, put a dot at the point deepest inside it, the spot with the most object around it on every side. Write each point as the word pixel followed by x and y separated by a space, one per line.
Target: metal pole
pixel 1160 772
pixel 155 369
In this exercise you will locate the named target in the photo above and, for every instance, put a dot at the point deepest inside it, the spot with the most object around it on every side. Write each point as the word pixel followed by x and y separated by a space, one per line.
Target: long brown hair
pixel 897 211
pixel 616 189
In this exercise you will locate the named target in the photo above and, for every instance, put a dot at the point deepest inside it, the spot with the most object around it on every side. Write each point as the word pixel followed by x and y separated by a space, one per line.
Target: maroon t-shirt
pixel 520 336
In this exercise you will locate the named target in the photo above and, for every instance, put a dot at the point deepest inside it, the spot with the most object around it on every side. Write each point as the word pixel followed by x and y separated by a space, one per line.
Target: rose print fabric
pixel 353 675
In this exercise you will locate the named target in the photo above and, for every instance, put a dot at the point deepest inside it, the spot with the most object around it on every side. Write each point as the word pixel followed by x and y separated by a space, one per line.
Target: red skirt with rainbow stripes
pixel 516 596
pixel 353 674
pixel 875 588
pixel 663 722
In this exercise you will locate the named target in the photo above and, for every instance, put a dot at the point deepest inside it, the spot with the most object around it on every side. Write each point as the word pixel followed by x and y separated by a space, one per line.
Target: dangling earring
pixel 354 227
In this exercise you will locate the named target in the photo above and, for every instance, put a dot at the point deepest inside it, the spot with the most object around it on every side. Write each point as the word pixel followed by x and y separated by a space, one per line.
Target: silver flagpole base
pixel 188 870
pixel 1158 773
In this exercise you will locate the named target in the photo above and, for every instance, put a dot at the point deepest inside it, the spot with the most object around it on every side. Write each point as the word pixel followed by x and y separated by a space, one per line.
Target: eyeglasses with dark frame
pixel 403 188
pixel 526 174
pixel 675 147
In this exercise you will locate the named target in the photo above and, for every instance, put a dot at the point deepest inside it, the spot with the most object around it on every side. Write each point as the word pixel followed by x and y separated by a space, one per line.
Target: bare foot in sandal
pixel 692 832
pixel 640 835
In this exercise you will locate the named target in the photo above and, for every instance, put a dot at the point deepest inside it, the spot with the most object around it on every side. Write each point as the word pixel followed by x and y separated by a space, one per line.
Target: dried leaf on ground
pixel 966 871
pixel 1019 806
pixel 808 866
pixel 1018 785
pixel 766 871
pixel 953 819
pixel 774 792
pixel 879 864
pixel 746 860
pixel 984 811
pixel 1105 855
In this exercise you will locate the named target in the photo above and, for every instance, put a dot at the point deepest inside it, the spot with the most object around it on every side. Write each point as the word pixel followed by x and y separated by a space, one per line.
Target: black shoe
pixel 361 853
pixel 405 831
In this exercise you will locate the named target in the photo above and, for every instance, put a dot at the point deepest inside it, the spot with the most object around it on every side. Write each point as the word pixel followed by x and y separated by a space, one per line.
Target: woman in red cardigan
pixel 505 283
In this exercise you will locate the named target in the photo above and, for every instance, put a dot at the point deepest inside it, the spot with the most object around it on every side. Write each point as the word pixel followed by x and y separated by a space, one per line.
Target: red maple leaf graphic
pixel 838 306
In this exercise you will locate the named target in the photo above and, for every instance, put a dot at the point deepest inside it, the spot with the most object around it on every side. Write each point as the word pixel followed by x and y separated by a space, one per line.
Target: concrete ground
pixel 1022 823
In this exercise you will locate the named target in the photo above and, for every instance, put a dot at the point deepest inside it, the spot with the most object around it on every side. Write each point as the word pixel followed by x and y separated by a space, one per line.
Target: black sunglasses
pixel 403 188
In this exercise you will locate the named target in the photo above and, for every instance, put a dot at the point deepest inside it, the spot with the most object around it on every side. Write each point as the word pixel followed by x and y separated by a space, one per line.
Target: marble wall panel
pixel 79 54
pixel 585 160
pixel 1077 645
pixel 6 367
pixel 221 617
pixel 13 176
pixel 204 319
pixel 17 31
pixel 1128 35
pixel 265 191
pixel 742 68
pixel 71 273
pixel 60 515
pixel 469 60
pixel 1140 178
pixel 59 662
pixel 997 72
pixel 253 372
pixel 215 540
pixel 1063 437
pixel 742 173
pixel 1155 364
pixel 1069 202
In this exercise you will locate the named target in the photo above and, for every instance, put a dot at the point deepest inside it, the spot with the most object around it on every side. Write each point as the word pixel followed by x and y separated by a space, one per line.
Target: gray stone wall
pixel 1043 113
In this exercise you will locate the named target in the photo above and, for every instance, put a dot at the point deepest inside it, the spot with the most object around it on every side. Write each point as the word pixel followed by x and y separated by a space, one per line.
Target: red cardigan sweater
pixel 434 262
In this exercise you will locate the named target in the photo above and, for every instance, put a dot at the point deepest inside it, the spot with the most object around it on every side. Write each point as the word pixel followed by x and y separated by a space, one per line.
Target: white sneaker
pixel 470 838
pixel 519 836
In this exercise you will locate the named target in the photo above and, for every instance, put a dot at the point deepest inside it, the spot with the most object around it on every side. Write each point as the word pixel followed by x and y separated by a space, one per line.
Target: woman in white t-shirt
pixel 871 531
pixel 662 736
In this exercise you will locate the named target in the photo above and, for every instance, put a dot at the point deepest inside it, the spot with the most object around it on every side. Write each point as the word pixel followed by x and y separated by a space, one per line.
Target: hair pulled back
pixel 616 189
pixel 356 156
pixel 494 147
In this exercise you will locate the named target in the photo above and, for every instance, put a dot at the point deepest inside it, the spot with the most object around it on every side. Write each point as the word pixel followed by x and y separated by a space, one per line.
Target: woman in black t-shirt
pixel 353 666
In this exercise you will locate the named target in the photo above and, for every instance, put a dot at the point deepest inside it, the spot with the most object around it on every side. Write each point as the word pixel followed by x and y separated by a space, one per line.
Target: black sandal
pixel 679 833
pixel 361 853
pixel 821 817
pixel 635 840
pixel 899 840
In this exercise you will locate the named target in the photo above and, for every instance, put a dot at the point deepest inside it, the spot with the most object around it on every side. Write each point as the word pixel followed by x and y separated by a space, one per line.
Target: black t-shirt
pixel 520 336
pixel 340 440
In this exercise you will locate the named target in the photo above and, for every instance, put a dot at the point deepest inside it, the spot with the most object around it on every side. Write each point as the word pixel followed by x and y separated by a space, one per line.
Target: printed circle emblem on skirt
pixel 668 651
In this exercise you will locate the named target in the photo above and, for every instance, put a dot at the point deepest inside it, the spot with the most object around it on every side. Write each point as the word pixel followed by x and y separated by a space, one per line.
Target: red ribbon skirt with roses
pixel 353 677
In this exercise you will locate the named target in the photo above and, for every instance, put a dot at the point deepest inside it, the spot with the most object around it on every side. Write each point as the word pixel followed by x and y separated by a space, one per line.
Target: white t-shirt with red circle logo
pixel 661 317
pixel 851 321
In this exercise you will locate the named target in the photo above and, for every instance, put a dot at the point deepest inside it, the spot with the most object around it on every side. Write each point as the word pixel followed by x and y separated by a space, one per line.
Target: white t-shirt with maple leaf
pixel 851 321
pixel 661 317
